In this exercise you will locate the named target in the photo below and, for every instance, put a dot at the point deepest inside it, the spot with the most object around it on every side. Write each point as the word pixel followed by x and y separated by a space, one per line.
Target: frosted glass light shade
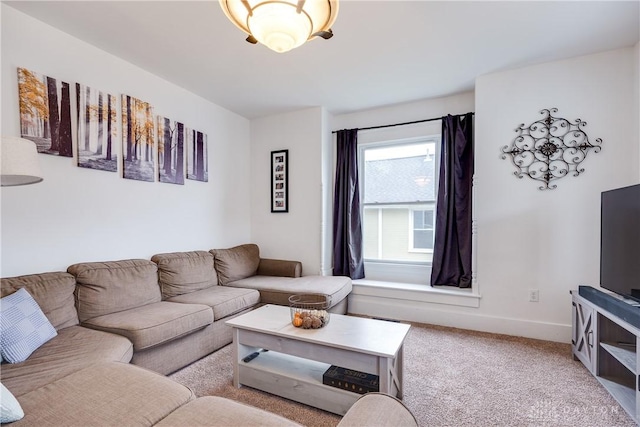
pixel 18 162
pixel 281 25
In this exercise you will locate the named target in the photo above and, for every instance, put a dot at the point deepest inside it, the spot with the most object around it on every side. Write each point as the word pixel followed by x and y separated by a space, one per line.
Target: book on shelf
pixel 348 379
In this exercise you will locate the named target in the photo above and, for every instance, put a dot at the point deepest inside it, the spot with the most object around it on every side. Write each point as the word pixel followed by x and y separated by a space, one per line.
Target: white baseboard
pixel 438 314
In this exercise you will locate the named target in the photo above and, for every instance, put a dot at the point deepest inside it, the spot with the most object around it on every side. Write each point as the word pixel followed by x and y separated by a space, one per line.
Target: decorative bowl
pixel 309 311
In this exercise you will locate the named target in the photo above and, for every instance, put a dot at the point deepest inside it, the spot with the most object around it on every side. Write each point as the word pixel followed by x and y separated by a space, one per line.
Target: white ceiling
pixel 382 53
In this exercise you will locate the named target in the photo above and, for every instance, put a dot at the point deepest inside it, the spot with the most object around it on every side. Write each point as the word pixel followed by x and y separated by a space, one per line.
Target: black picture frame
pixel 280 181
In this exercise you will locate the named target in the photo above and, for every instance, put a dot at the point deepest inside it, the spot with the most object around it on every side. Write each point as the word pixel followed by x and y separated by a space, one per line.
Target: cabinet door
pixel 583 337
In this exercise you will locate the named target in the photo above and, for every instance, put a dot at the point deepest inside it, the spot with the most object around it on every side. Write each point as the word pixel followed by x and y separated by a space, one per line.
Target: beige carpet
pixel 456 378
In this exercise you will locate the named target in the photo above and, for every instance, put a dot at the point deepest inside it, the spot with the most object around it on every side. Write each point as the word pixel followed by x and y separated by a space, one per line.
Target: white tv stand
pixel 608 346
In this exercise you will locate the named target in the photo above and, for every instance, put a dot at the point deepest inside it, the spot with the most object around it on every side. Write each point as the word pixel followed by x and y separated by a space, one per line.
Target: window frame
pixel 362 147
pixel 431 206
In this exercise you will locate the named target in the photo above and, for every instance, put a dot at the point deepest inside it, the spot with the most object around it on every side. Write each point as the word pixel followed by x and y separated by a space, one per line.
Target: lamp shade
pixel 18 162
pixel 282 25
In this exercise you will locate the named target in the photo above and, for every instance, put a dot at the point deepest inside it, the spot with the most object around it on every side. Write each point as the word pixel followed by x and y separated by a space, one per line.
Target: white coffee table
pixel 296 358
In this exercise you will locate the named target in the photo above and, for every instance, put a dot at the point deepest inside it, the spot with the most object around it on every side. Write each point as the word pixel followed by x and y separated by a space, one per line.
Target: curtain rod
pixel 407 123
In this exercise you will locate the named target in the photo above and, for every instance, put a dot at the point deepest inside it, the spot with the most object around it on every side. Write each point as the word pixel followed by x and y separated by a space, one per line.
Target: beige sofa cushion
pixel 74 348
pixel 279 267
pixel 109 287
pixel 52 291
pixel 154 324
pixel 236 263
pixel 224 300
pixel 277 290
pixel 106 394
pixel 379 409
pixel 184 272
pixel 214 411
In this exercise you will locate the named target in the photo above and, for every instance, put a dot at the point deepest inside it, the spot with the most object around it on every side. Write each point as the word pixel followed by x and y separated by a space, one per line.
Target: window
pixel 398 191
pixel 422 230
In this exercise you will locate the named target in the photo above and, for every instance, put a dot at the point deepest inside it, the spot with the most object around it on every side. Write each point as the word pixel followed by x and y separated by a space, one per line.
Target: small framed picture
pixel 280 181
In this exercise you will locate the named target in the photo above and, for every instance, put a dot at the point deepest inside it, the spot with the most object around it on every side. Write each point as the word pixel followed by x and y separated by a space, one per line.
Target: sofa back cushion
pixel 185 272
pixel 109 287
pixel 236 263
pixel 52 291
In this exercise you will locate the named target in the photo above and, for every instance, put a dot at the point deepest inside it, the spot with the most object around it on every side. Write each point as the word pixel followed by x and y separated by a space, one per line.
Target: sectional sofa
pixel 161 315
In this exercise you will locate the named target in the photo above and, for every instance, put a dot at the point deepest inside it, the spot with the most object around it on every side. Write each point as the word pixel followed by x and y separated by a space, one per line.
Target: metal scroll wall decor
pixel 550 148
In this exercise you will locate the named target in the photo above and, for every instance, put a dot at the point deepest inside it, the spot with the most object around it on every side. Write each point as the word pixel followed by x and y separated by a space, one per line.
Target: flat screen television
pixel 620 241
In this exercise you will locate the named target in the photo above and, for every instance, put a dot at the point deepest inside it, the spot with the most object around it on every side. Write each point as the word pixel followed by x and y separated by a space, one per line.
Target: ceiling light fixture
pixel 282 25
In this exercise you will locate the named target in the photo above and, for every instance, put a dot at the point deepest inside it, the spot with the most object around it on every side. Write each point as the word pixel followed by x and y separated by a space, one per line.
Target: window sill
pixel 413 292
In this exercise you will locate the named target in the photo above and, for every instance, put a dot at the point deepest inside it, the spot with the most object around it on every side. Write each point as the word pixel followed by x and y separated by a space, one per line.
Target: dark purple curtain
pixel 452 246
pixel 347 221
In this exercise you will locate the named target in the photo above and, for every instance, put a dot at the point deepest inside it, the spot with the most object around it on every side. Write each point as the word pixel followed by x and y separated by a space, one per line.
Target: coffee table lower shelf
pixel 296 379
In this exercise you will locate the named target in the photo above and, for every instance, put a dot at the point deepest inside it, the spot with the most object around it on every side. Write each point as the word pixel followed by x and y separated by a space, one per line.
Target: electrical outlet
pixel 534 295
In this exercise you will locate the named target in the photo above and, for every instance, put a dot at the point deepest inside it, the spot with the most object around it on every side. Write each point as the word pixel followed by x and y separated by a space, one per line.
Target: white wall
pixel 549 240
pixel 305 232
pixel 401 113
pixel 78 214
pixel 328 173
pixel 296 234
pixel 527 238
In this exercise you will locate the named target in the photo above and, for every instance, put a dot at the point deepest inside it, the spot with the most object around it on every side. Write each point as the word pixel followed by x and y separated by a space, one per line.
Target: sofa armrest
pixel 279 267
pixel 378 409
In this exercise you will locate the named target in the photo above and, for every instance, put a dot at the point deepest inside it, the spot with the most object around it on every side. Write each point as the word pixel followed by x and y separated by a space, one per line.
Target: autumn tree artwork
pixel 97 129
pixel 171 144
pixel 197 156
pixel 45 112
pixel 138 139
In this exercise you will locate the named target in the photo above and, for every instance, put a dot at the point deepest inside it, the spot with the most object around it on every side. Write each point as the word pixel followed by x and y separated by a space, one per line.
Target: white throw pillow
pixel 10 409
pixel 23 326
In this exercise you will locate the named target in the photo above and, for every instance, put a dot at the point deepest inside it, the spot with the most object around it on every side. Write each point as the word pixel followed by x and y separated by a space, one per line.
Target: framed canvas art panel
pixel 138 139
pixel 171 144
pixel 97 129
pixel 280 181
pixel 45 112
pixel 197 156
